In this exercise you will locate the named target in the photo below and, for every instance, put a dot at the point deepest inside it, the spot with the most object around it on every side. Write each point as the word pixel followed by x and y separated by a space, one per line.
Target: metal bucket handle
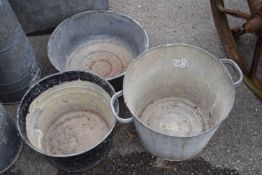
pixel 236 68
pixel 113 99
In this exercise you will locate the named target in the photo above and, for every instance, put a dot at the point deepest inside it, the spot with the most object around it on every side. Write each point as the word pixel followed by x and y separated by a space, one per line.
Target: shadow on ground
pixel 145 163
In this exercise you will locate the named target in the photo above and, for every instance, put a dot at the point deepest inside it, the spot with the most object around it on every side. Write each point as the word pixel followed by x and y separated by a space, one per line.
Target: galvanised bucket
pixel 67 118
pixel 43 15
pixel 18 65
pixel 10 142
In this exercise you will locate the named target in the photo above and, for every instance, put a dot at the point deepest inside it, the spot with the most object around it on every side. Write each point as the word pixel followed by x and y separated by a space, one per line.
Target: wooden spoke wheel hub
pixel 228 37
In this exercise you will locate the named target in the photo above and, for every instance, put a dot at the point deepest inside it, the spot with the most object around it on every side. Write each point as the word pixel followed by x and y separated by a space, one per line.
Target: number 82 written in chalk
pixel 180 63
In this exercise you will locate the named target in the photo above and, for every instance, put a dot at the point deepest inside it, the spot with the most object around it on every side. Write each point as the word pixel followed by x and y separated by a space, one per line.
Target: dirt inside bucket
pixel 74 132
pixel 69 118
pixel 176 117
pixel 106 58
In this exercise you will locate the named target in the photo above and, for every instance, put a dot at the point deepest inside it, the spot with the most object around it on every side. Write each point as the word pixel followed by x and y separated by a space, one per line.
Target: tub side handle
pixel 113 99
pixel 236 68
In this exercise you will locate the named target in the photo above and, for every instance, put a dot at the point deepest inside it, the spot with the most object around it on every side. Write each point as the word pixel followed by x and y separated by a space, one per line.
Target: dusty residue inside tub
pixel 69 118
pixel 107 58
pixel 176 117
pixel 74 132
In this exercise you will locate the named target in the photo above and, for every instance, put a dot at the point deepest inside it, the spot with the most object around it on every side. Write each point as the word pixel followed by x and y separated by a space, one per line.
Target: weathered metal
pixel 10 142
pixel 228 37
pixel 18 65
pixel 65 99
pixel 39 15
pixel 186 92
pixel 103 42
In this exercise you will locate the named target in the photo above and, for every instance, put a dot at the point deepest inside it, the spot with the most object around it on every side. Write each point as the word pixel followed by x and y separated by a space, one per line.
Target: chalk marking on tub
pixel 180 63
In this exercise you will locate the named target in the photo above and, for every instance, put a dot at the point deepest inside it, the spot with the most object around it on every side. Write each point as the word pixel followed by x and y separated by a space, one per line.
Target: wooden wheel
pixel 228 36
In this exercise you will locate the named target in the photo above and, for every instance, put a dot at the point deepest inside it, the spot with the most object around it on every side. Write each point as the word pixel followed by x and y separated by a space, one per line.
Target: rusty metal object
pixel 254 25
pixel 228 36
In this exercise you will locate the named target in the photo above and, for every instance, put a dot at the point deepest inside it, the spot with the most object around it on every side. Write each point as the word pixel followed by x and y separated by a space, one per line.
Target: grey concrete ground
pixel 236 148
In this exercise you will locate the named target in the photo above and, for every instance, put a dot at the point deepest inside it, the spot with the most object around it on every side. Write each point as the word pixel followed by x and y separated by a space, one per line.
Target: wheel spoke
pixel 255 63
pixel 238 31
pixel 255 6
pixel 234 13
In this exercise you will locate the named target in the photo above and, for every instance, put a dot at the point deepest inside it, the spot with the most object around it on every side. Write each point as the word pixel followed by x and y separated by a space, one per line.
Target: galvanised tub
pixel 178 95
pixel 67 118
pixel 104 42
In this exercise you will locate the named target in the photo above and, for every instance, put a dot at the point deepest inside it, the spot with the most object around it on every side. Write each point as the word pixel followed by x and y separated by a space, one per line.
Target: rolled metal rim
pixel 15 158
pixel 2 113
pixel 38 74
pixel 68 155
pixel 98 11
pixel 145 125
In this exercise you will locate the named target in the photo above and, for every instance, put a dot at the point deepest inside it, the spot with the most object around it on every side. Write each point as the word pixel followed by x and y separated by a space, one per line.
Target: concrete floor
pixel 236 148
